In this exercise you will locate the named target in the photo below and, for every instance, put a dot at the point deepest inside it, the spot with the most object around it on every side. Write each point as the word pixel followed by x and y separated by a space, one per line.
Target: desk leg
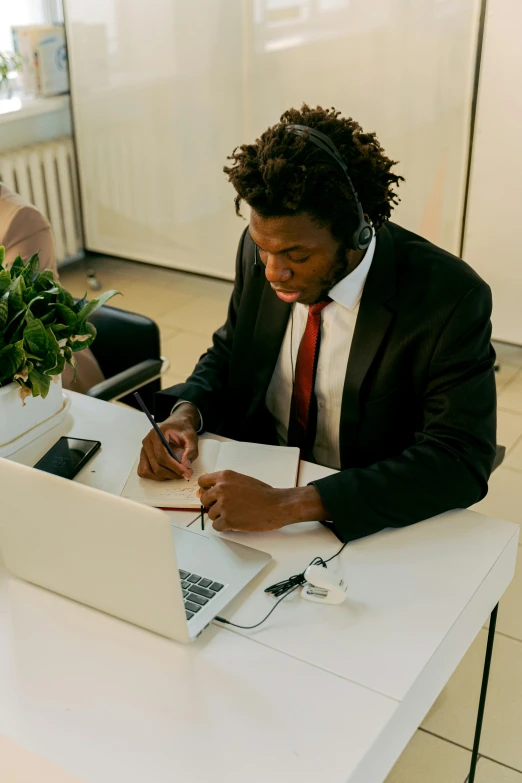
pixel 483 694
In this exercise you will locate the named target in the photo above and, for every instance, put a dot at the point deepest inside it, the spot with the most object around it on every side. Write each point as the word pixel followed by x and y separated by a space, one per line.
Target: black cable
pixel 283 589
pixel 336 554
pixel 291 348
pixel 249 627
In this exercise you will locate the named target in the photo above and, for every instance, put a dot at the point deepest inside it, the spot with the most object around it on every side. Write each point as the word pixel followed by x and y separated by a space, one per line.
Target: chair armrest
pixel 127 381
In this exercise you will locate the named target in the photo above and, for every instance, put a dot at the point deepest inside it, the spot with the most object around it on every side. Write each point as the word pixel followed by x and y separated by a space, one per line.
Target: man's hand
pixel 180 431
pixel 237 502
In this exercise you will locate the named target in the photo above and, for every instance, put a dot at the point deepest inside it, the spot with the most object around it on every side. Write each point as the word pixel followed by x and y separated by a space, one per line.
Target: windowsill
pixel 14 109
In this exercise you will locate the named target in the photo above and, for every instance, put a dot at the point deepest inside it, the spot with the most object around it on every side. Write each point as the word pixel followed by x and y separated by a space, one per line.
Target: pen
pixel 158 431
pixel 164 441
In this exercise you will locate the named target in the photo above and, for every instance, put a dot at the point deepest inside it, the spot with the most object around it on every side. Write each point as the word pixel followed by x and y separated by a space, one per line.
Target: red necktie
pixel 304 376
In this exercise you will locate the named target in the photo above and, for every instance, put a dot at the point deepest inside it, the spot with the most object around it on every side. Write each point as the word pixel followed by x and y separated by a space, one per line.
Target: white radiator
pixel 45 175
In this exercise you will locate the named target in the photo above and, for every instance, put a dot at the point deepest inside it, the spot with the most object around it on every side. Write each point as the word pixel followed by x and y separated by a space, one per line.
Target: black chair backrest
pixel 123 340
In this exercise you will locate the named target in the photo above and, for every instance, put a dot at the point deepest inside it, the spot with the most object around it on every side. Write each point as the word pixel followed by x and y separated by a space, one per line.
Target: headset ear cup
pixel 362 236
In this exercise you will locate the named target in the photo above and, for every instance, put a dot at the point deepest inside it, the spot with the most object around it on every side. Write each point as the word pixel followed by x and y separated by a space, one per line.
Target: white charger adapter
pixel 322 586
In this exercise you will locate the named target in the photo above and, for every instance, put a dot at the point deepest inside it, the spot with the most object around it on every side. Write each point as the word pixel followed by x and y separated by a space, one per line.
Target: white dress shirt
pixel 337 327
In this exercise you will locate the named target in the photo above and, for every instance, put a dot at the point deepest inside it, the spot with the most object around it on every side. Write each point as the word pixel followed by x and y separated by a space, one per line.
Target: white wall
pixel 163 91
pixel 493 242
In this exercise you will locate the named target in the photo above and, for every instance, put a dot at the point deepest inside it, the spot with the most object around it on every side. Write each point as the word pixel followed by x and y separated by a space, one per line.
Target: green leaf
pixel 66 315
pixel 58 367
pixel 53 351
pixel 80 304
pixel 2 255
pixel 52 342
pixel 95 304
pixel 35 336
pixel 3 312
pixel 64 297
pixel 12 357
pixel 5 280
pixel 70 359
pixel 84 338
pixel 48 364
pixel 49 316
pixel 50 292
pixel 53 361
pixel 16 295
pixel 44 280
pixel 17 267
pixel 40 383
pixel 59 329
pixel 31 269
pixel 13 326
pixel 30 292
pixel 32 301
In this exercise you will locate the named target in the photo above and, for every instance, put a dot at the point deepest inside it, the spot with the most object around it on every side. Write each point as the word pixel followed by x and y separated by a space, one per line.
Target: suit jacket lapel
pixel 269 331
pixel 373 321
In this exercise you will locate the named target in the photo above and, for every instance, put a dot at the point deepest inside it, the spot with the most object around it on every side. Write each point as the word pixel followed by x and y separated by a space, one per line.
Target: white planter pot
pixel 17 419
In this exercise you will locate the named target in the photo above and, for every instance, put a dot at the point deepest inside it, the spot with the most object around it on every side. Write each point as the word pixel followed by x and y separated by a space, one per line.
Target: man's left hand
pixel 238 502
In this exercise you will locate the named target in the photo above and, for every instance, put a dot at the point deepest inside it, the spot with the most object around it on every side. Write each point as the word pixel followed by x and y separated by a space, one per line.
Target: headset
pixel 362 235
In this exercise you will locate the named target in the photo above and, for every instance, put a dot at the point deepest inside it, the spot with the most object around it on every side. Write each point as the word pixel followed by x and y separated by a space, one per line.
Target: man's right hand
pixel 180 431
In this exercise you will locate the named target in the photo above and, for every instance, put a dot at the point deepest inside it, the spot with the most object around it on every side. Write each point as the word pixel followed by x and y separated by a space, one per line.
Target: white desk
pixel 120 431
pixel 109 702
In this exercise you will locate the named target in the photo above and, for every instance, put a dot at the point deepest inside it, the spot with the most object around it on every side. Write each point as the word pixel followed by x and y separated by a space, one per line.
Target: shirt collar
pixel 348 291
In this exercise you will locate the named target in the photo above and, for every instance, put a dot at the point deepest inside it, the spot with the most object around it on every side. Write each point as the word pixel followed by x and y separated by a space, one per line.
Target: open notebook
pixel 275 465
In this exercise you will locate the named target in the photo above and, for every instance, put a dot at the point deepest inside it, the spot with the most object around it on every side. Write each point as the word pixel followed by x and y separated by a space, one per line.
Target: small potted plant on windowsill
pixel 41 328
pixel 9 63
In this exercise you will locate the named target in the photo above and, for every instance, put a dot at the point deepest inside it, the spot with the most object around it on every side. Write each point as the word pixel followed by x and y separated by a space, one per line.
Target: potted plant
pixel 41 329
pixel 9 62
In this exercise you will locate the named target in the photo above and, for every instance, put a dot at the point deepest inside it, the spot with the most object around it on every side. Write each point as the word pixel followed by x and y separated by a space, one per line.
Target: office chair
pixel 127 348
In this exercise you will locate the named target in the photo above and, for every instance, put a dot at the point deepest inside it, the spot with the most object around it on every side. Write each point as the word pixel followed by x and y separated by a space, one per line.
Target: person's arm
pixel 451 460
pixel 206 388
pixel 30 232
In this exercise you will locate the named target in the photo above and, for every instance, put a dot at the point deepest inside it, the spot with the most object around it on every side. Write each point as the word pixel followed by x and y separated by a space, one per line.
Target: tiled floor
pixel 188 309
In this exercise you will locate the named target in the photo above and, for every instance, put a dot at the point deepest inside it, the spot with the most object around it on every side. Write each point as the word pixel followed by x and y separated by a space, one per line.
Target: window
pixel 22 12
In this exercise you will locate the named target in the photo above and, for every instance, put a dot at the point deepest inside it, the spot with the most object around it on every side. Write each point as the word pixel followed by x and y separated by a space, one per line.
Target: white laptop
pixel 121 557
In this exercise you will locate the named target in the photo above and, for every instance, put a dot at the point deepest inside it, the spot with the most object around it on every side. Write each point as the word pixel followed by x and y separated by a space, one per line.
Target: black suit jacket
pixel 418 418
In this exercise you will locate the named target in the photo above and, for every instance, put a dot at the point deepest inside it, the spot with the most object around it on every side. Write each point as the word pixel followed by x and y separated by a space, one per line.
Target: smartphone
pixel 68 456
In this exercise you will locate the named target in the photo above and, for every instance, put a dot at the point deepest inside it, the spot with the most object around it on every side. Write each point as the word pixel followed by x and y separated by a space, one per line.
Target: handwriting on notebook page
pixel 186 492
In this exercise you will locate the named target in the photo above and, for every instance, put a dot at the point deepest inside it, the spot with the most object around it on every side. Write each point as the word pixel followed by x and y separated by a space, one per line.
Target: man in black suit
pixel 362 343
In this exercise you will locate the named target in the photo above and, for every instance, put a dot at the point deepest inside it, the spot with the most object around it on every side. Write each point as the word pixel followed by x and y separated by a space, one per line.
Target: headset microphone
pixel 255 269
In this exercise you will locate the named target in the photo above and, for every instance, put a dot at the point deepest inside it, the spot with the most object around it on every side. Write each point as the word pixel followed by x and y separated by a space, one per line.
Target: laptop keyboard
pixel 197 591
